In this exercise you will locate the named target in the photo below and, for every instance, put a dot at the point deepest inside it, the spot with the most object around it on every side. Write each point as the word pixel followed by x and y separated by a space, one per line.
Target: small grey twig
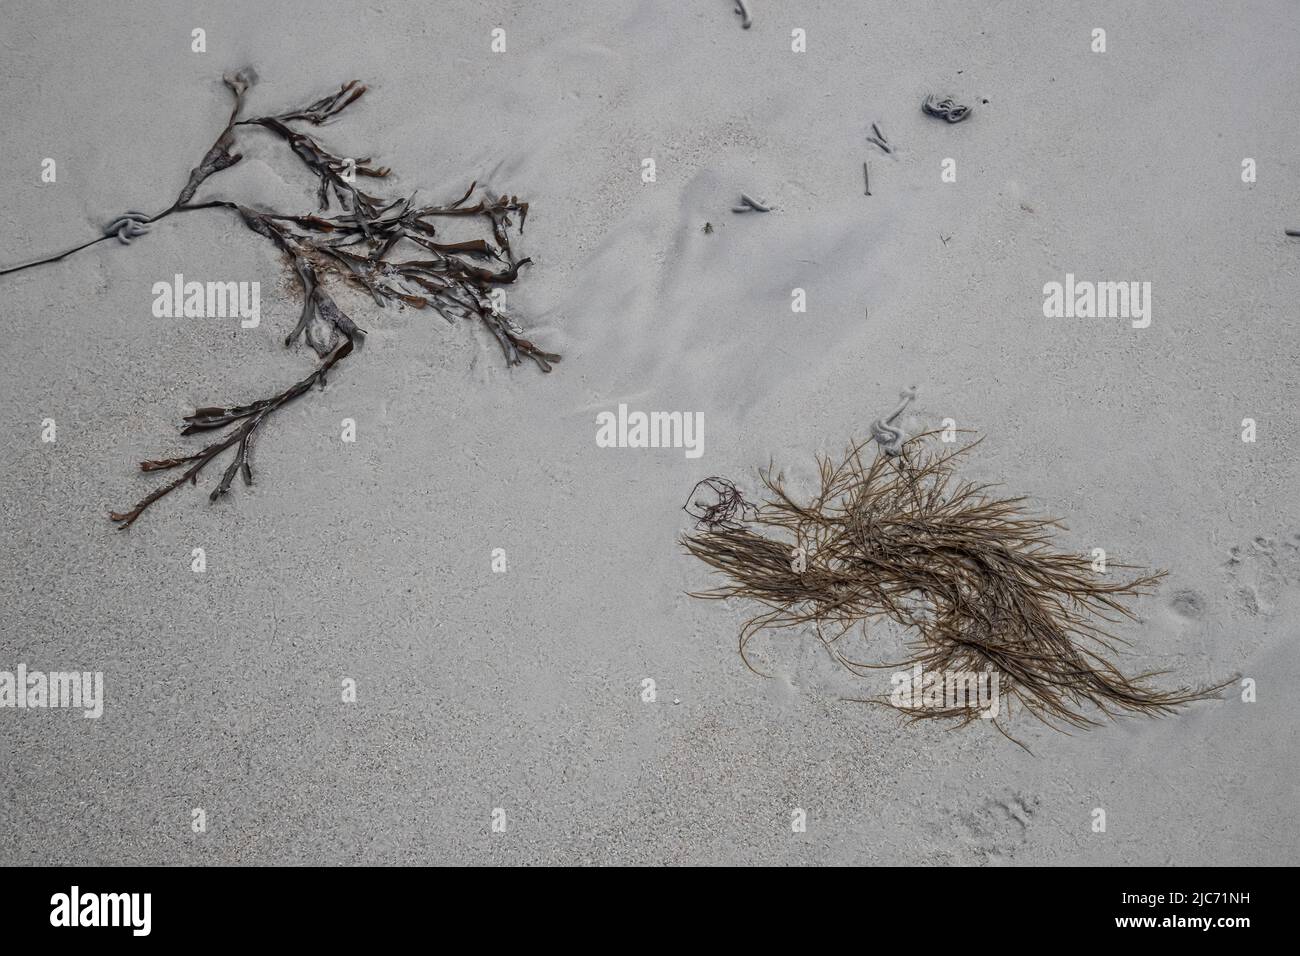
pixel 1293 232
pixel 748 203
pixel 746 20
pixel 880 139
pixel 866 177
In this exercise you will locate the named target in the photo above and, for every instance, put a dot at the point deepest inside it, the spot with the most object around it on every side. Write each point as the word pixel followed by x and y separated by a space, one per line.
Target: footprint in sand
pixel 1188 603
pixel 999 828
pixel 1261 571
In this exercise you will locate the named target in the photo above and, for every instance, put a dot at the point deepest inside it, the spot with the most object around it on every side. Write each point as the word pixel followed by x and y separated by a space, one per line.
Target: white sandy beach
pixel 523 690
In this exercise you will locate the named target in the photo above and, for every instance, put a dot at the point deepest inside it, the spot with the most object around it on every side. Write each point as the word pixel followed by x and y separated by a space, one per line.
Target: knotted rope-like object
pixel 748 202
pixel 946 108
pixel 890 438
pixel 130 225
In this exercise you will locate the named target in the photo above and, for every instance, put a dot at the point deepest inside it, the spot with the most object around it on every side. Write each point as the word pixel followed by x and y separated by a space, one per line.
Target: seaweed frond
pixel 389 247
pixel 973 579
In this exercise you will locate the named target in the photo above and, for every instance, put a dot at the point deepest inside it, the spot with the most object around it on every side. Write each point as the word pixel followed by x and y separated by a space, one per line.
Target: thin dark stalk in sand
pixel 879 138
pixel 358 246
pixel 974 581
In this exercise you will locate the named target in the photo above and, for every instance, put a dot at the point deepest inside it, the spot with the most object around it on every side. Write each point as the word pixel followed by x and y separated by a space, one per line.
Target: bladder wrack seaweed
pixel 357 246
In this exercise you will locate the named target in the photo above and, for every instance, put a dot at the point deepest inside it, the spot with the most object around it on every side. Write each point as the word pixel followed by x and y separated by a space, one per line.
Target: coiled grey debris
pixel 946 108
pixel 748 202
pixel 130 225
pixel 887 436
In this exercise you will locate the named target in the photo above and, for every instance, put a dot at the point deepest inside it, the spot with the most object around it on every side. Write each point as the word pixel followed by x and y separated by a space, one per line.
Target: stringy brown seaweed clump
pixel 973 580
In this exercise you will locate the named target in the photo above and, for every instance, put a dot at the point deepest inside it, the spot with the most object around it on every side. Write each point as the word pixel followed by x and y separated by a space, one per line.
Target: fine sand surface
pixel 522 690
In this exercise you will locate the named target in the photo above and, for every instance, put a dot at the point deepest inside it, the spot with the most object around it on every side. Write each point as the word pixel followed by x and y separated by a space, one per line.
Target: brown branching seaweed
pixel 358 246
pixel 249 417
pixel 973 580
pixel 728 510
